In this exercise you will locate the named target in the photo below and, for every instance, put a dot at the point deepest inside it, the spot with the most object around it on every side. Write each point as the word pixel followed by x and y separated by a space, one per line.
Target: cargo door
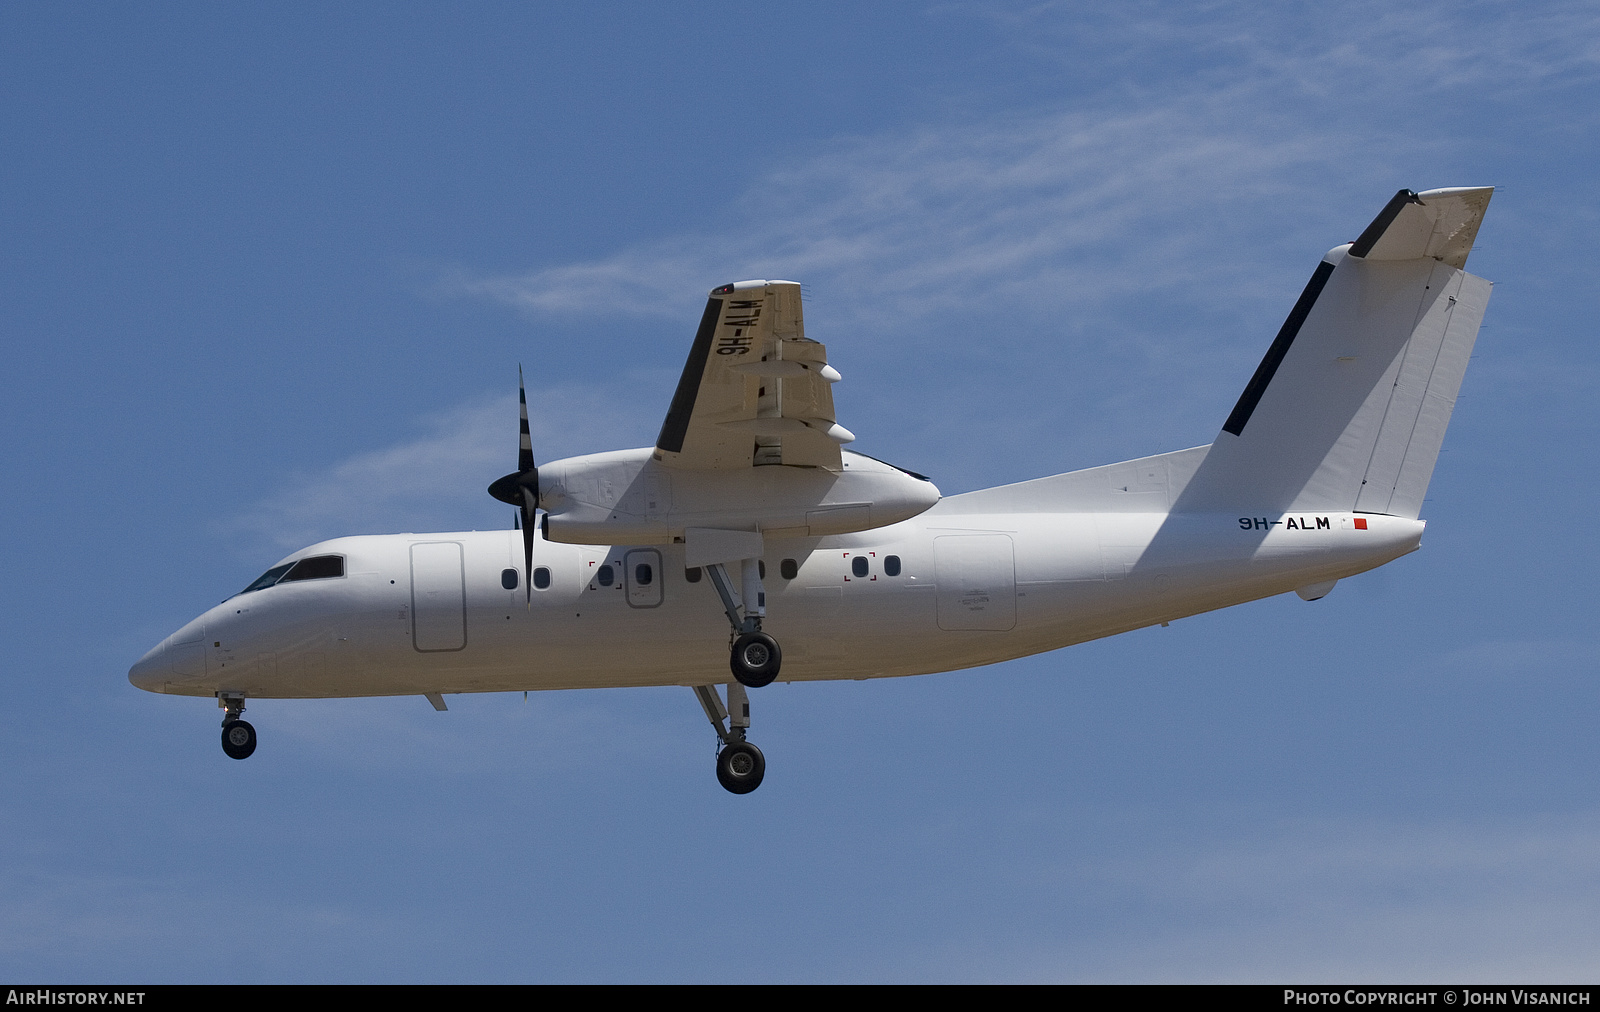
pixel 977 578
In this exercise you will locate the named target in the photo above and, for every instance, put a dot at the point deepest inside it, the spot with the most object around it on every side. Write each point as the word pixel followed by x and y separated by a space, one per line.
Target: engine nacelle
pixel 625 497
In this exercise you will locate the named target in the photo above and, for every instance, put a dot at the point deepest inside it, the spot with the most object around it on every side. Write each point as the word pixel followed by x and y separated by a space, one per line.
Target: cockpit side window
pixel 317 567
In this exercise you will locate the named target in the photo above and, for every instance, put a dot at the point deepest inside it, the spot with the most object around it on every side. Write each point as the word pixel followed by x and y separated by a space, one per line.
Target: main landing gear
pixel 238 737
pixel 755 657
pixel 754 660
pixel 740 765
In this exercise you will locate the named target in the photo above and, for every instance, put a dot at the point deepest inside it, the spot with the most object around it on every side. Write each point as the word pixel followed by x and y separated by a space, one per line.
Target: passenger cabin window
pixel 891 565
pixel 788 569
pixel 604 577
pixel 643 574
pixel 692 574
pixel 508 578
pixel 541 579
pixel 858 565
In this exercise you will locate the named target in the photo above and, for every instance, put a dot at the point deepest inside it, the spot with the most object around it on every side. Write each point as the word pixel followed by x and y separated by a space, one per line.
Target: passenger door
pixel 642 571
pixel 438 597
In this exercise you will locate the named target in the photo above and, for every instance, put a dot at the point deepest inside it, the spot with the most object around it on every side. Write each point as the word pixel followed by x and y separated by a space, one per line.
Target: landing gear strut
pixel 740 765
pixel 238 737
pixel 755 657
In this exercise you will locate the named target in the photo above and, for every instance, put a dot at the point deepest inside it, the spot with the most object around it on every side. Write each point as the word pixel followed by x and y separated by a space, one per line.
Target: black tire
pixel 755 659
pixel 740 767
pixel 238 739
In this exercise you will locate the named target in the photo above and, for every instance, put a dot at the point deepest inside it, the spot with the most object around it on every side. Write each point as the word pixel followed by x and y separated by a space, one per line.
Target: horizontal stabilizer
pixel 1441 224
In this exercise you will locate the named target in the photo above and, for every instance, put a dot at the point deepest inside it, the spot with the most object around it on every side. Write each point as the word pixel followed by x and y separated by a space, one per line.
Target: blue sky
pixel 269 275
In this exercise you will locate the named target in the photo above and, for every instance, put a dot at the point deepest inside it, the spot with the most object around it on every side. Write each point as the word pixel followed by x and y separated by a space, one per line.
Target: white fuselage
pixel 429 613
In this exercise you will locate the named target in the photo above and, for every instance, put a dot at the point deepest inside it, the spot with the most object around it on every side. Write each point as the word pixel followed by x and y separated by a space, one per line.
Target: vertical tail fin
pixel 1348 409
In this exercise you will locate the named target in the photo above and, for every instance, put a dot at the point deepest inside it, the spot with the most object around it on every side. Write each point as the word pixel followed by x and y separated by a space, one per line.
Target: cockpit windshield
pixel 316 567
pixel 268 578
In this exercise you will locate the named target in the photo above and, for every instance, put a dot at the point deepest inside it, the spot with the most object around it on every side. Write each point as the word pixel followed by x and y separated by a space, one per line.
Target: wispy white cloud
pixel 909 225
pixel 1348 50
pixel 1146 182
pixel 437 480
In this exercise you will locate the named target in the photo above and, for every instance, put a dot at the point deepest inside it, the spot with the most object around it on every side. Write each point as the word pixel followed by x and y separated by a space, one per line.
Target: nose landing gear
pixel 238 737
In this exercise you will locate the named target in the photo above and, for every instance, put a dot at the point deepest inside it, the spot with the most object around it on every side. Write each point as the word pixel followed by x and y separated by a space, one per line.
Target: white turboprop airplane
pixel 619 574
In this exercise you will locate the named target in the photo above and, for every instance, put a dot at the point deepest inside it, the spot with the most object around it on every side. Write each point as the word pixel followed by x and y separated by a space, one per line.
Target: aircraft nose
pixel 151 670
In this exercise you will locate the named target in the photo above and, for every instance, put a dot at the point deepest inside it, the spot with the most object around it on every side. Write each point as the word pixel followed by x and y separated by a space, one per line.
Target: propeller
pixel 521 488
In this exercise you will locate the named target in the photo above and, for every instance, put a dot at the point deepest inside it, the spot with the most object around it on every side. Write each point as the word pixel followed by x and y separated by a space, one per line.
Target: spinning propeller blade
pixel 521 488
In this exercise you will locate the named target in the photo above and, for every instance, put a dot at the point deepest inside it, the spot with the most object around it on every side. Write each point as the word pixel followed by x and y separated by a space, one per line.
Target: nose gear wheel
pixel 238 739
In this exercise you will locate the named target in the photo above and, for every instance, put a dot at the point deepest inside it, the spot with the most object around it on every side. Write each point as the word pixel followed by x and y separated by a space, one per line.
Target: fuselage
pixel 448 613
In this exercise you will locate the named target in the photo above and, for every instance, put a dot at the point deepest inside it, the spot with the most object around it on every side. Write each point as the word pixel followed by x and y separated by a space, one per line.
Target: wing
pixel 755 390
